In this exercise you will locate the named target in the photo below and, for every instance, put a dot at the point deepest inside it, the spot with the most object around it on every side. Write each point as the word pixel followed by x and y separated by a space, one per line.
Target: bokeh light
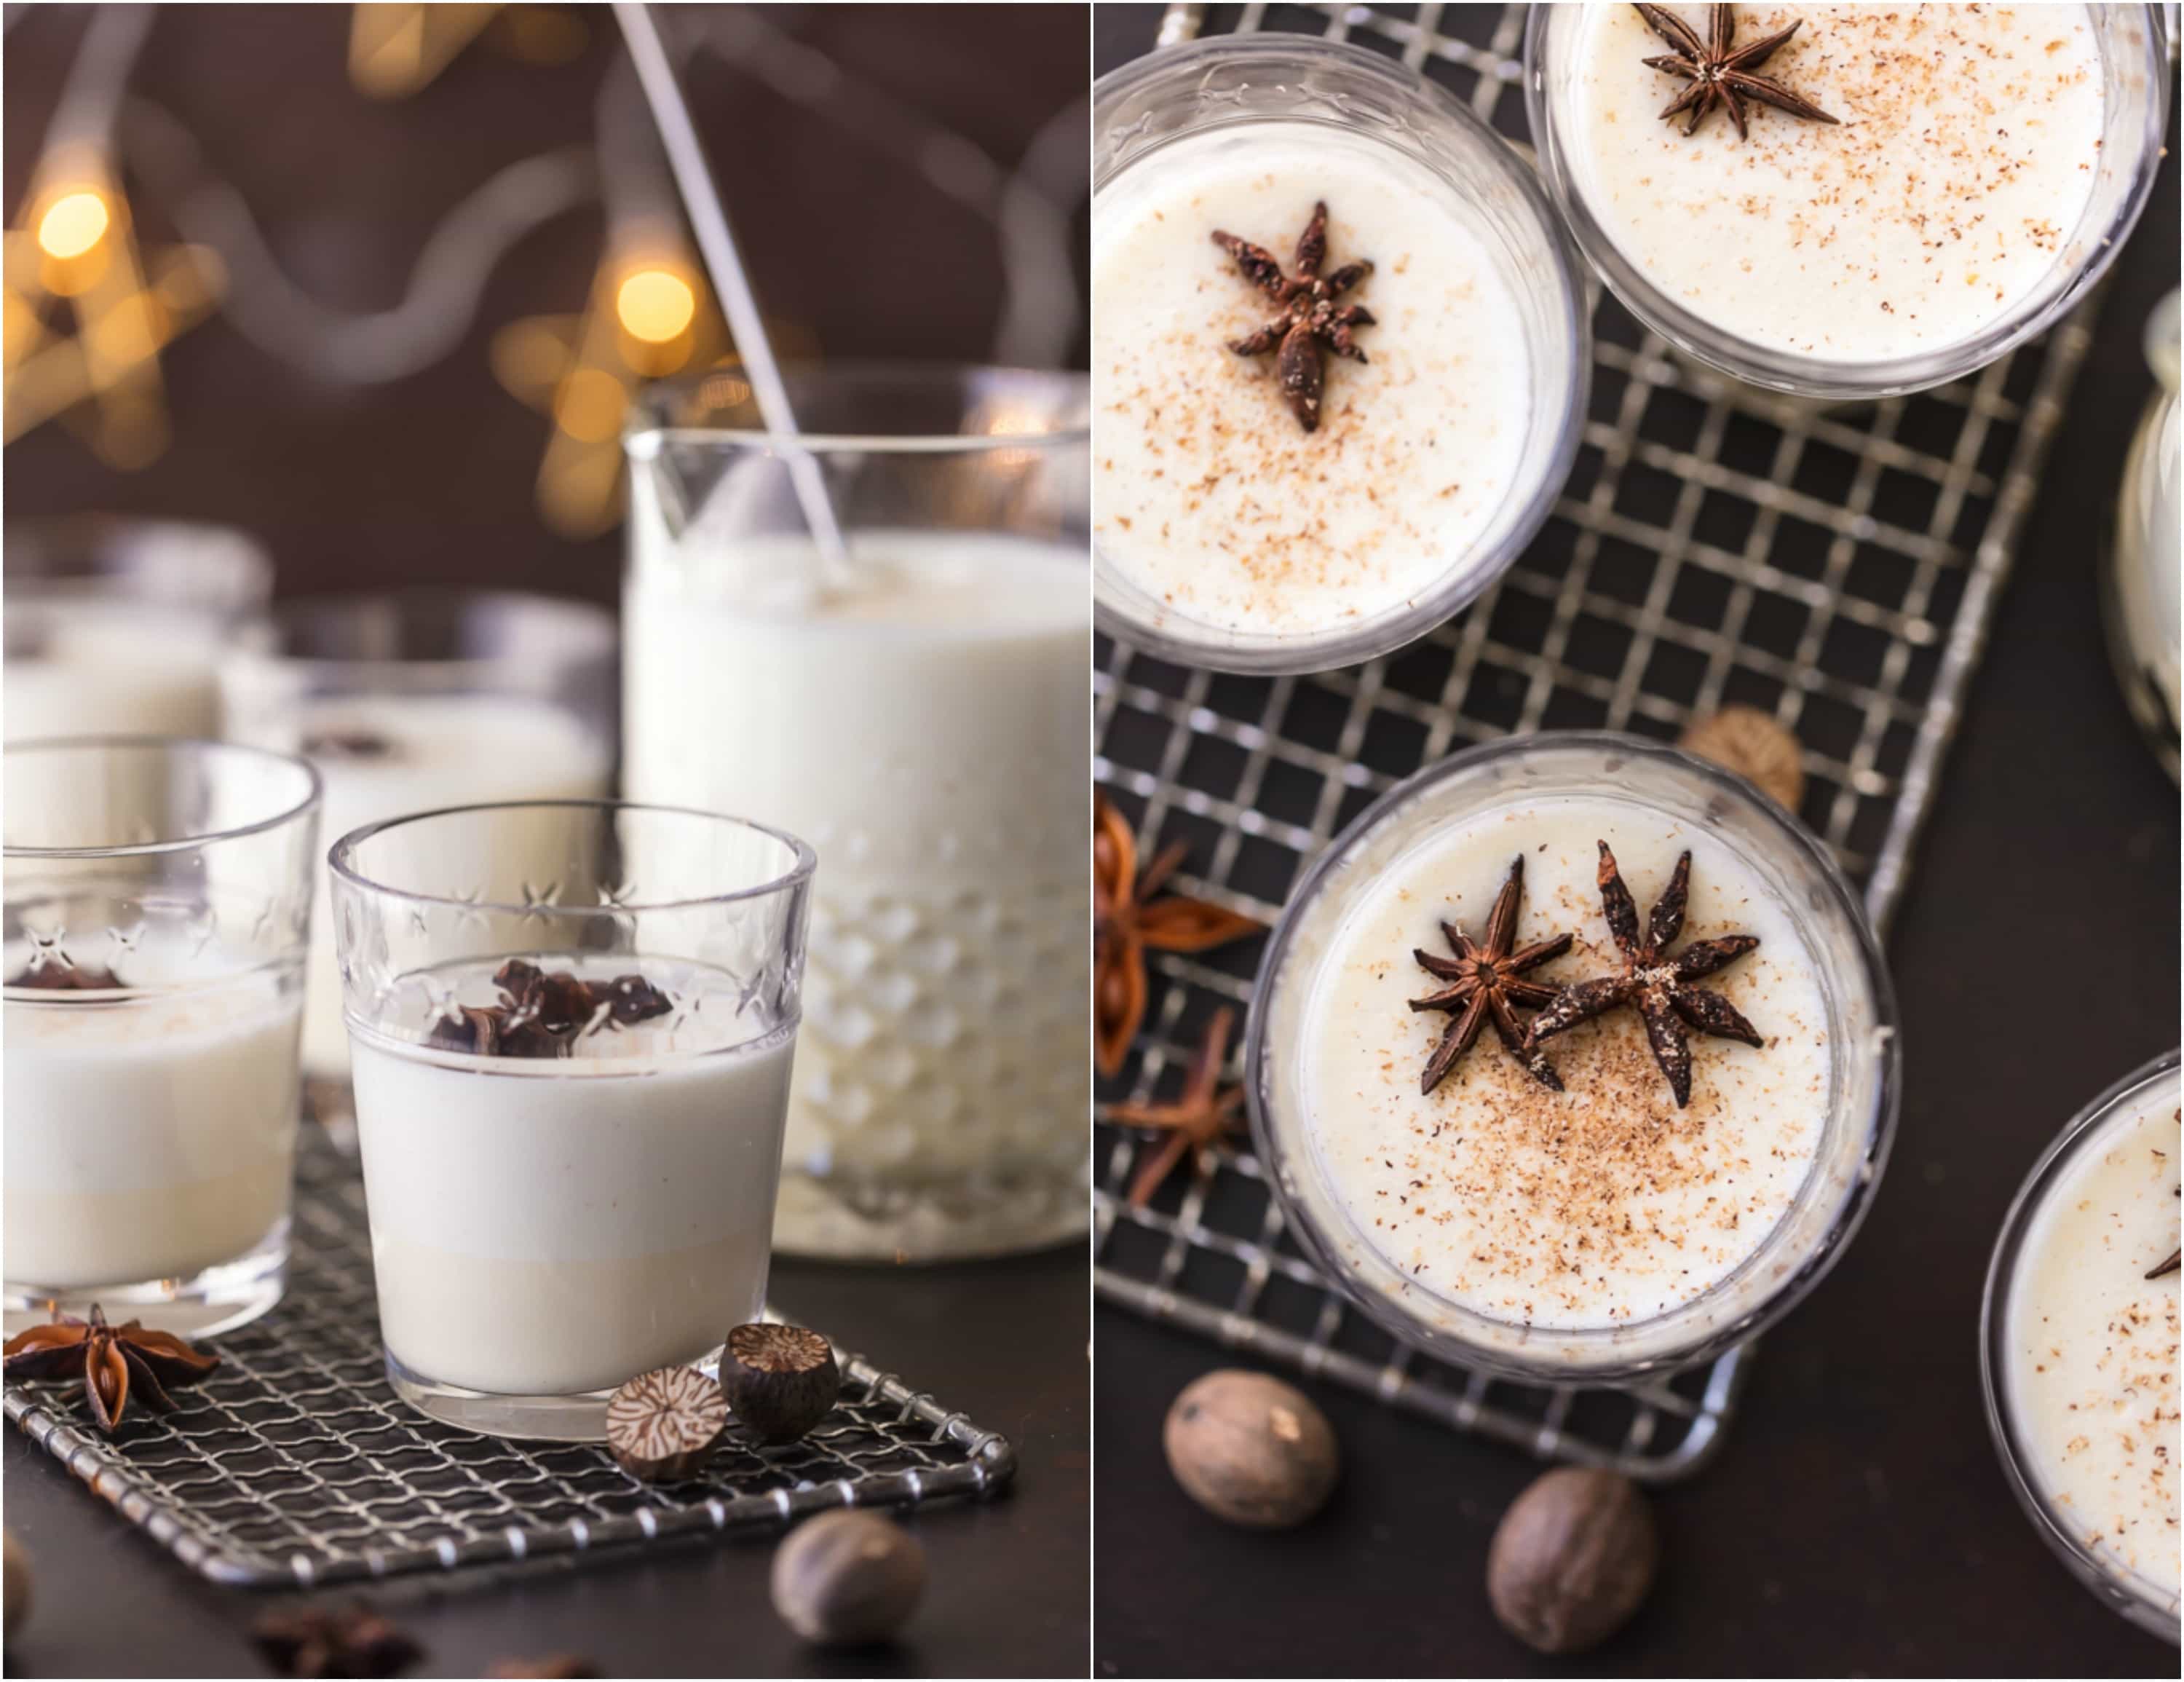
pixel 74 223
pixel 655 305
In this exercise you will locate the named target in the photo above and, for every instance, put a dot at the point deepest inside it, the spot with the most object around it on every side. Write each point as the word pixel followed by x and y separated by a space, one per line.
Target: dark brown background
pixel 430 479
pixel 1856 1523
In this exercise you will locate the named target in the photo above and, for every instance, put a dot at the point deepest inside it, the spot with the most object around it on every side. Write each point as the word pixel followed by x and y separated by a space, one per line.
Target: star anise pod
pixel 1198 1115
pixel 1127 921
pixel 347 1641
pixel 1657 986
pixel 66 978
pixel 544 1013
pixel 1720 72
pixel 2176 1260
pixel 1487 983
pixel 109 1360
pixel 1309 318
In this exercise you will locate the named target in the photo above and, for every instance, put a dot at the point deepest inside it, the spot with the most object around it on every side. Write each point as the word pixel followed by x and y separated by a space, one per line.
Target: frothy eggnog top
pixel 1964 153
pixel 1209 496
pixel 1602 1205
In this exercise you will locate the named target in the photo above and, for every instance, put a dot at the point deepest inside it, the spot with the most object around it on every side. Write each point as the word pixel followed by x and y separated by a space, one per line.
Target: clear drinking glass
pixel 1792 870
pixel 158 898
pixel 2133 42
pixel 421 698
pixel 919 711
pixel 115 628
pixel 571 1026
pixel 1233 82
pixel 2101 1390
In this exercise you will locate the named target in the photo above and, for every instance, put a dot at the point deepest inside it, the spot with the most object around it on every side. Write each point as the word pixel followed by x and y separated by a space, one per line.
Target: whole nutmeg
pixel 1572 1559
pixel 846 1578
pixel 1754 745
pixel 1251 1450
pixel 14 1582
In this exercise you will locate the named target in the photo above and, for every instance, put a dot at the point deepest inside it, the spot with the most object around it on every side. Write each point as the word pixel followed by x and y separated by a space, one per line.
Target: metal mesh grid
pixel 297 1465
pixel 1835 566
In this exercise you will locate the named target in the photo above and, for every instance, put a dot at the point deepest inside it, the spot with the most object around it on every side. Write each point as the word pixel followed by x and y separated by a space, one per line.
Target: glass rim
pixel 1772 368
pixel 1545 1352
pixel 804 861
pixel 202 746
pixel 645 429
pixel 1195 642
pixel 2108 1578
pixel 262 647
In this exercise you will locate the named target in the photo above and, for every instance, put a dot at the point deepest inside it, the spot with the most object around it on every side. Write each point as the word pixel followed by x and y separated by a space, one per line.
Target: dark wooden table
pixel 1005 1341
pixel 1857 1521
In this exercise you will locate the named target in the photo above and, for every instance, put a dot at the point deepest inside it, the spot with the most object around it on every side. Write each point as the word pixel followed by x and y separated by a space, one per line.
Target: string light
pixel 73 223
pixel 655 305
pixel 73 257
pixel 85 315
pixel 582 371
pixel 395 50
pixel 650 317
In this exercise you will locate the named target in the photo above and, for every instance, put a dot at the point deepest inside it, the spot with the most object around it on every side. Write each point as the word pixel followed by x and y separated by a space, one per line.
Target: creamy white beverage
pixel 554 1225
pixel 2090 1355
pixel 387 755
pixel 149 1136
pixel 1602 1204
pixel 1952 184
pixel 926 728
pixel 110 667
pixel 1209 495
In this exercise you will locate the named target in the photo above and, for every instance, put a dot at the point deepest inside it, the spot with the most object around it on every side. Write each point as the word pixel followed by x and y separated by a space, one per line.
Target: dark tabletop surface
pixel 1004 1341
pixel 1857 1521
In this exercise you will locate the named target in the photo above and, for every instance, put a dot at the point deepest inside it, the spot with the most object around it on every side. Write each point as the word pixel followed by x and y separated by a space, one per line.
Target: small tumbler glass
pixel 2133 43
pixel 2078 1331
pixel 571 1026
pixel 158 899
pixel 1780 869
pixel 115 628
pixel 1231 90
pixel 418 699
pixel 919 710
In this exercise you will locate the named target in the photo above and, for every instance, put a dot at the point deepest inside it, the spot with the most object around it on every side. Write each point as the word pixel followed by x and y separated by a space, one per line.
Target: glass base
pixel 578 1419
pixel 215 1300
pixel 838 1218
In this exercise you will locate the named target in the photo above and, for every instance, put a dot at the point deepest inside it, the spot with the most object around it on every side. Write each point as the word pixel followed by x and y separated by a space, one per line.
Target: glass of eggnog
pixel 158 901
pixel 570 1025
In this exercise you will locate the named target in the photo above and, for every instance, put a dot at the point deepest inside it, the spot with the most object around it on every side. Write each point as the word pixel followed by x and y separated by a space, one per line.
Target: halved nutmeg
pixel 780 1380
pixel 661 1425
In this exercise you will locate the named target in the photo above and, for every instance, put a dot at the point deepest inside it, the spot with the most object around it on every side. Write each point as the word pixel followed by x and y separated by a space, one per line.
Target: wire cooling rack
pixel 1834 566
pixel 297 1465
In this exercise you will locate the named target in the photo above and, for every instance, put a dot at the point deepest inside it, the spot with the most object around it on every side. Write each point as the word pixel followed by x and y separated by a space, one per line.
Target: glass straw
pixel 716 244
